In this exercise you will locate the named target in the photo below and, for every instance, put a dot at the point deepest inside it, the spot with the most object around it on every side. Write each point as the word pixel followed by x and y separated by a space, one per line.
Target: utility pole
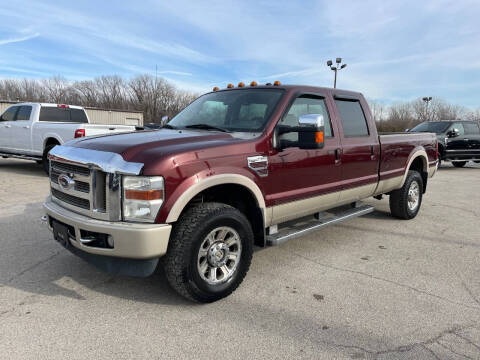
pixel 336 68
pixel 427 100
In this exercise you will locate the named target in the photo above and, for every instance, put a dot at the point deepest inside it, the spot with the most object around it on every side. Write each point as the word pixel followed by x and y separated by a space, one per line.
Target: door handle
pixel 372 153
pixel 338 159
pixel 8 126
pixel 26 127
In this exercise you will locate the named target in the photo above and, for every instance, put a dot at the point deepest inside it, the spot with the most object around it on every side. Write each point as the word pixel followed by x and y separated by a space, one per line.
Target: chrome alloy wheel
pixel 219 255
pixel 413 196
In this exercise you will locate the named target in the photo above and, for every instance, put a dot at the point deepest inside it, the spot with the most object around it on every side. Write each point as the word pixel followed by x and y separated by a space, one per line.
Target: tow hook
pixel 44 219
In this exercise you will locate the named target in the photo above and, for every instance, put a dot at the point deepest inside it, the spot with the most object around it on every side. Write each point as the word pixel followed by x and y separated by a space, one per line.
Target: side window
pixel 9 114
pixel 353 119
pixel 306 104
pixel 24 113
pixel 459 127
pixel 471 129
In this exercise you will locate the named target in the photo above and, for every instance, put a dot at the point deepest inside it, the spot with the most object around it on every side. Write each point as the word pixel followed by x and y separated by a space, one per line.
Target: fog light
pixel 110 241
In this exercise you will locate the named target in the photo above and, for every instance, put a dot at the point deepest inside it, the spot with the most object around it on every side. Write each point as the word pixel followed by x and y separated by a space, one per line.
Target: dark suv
pixel 458 141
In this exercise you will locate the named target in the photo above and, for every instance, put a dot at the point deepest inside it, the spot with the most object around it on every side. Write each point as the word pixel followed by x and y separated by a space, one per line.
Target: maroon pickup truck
pixel 238 167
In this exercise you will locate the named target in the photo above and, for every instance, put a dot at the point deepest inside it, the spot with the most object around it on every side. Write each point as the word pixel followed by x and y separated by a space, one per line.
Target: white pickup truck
pixel 30 130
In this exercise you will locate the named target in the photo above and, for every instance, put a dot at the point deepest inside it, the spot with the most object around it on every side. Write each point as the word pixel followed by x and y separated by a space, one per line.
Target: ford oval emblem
pixel 65 181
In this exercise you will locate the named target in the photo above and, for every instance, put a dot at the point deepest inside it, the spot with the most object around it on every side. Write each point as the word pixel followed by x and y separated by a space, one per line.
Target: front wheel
pixel 405 202
pixel 209 253
pixel 459 164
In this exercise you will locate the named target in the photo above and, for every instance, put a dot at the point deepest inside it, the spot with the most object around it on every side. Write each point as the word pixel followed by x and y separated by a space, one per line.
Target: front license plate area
pixel 60 233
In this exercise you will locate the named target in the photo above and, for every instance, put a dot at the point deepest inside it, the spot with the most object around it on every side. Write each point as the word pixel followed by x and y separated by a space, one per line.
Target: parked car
pixel 30 130
pixel 458 141
pixel 226 173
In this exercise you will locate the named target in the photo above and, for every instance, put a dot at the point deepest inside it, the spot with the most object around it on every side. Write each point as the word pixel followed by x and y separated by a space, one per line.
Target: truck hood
pixel 145 145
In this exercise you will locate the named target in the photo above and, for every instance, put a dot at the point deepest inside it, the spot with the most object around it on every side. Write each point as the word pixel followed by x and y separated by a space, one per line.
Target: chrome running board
pixel 321 220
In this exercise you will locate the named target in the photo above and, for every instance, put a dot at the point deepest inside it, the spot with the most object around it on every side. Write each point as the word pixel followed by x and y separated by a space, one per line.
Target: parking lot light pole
pixel 427 100
pixel 336 68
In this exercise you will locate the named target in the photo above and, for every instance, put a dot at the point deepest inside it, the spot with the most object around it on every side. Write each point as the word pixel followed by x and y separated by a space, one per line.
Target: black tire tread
pixel 179 246
pixel 398 198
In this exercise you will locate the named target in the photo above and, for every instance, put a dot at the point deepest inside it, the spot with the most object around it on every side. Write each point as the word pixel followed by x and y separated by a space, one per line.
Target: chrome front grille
pixel 92 192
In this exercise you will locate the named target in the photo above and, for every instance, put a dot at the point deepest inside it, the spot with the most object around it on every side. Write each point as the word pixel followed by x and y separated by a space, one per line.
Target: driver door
pixel 303 181
pixel 6 121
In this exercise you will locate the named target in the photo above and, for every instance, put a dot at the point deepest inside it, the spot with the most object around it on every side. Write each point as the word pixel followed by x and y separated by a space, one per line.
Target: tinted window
pixel 78 116
pixel 436 127
pixel 24 113
pixel 303 105
pixel 352 117
pixel 459 127
pixel 236 110
pixel 9 114
pixel 471 129
pixel 58 114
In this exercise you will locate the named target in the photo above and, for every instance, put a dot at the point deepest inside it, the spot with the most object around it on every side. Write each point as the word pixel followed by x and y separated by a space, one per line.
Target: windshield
pixel 236 110
pixel 435 127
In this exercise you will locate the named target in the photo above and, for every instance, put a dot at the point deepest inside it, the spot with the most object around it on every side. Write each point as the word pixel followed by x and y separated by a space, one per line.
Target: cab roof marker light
pixel 216 88
pixel 229 86
pixel 276 83
pixel 241 84
pixel 253 83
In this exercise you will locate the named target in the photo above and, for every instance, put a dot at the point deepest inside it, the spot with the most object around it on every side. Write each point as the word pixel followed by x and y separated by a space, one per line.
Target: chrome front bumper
pixel 131 240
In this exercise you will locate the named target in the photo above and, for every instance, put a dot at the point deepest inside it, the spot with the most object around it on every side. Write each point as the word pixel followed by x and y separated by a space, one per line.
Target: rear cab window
pixel 60 114
pixel 352 117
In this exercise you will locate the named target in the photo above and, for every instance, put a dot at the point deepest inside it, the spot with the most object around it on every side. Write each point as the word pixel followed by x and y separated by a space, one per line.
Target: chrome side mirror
pixel 311 120
pixel 311 128
pixel 454 132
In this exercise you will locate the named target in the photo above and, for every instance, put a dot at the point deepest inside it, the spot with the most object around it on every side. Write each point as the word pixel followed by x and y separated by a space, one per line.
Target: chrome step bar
pixel 322 220
pixel 20 156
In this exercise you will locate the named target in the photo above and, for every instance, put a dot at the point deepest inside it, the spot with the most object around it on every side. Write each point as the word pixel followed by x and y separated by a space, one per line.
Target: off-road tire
pixel 180 262
pixel 45 163
pixel 459 164
pixel 399 198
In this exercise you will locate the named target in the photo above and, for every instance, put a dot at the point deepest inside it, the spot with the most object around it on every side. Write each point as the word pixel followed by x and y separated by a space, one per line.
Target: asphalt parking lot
pixel 371 288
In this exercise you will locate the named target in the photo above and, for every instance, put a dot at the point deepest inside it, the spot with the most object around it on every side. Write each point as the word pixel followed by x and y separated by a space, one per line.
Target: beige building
pixel 101 116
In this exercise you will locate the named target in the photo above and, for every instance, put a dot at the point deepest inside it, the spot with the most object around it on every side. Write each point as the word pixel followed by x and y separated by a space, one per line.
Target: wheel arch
pixel 418 161
pixel 232 189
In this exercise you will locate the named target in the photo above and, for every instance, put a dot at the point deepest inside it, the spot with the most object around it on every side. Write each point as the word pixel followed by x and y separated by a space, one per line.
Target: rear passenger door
pixel 360 149
pixel 21 131
pixel 472 133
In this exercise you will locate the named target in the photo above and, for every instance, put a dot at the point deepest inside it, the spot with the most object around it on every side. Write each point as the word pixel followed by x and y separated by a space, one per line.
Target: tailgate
pixel 98 129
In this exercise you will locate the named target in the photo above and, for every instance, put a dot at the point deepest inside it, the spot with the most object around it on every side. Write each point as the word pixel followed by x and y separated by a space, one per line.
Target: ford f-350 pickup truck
pixel 30 130
pixel 238 167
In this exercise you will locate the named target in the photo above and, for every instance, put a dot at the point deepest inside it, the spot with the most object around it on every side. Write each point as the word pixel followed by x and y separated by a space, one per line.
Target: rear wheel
pixel 209 253
pixel 45 162
pixel 459 164
pixel 405 202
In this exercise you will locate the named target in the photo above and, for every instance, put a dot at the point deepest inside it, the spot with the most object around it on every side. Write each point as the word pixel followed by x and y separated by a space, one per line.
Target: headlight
pixel 142 197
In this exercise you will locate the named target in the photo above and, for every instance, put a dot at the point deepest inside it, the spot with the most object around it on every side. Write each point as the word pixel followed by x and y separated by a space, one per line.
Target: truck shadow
pixel 32 262
pixel 22 167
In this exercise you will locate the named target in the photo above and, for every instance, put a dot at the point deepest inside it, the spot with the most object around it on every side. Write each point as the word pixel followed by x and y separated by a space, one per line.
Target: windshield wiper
pixel 167 126
pixel 205 127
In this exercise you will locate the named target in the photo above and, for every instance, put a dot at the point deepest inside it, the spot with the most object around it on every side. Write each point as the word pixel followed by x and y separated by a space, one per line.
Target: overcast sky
pixel 395 50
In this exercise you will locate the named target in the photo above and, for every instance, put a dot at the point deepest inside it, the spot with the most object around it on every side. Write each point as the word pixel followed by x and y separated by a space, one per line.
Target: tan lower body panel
pixel 304 207
pixel 132 240
pixel 387 185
